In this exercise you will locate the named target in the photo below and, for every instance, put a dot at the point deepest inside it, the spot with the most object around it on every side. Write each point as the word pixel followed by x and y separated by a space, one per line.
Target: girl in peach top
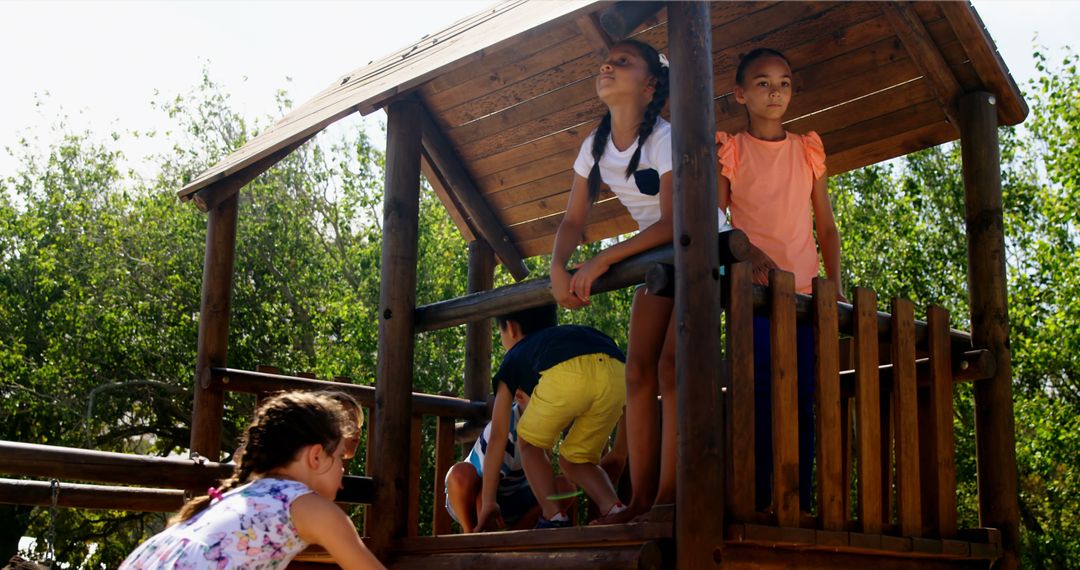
pixel 773 182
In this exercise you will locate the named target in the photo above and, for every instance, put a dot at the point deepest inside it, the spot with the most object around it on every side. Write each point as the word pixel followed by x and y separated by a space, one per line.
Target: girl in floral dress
pixel 277 502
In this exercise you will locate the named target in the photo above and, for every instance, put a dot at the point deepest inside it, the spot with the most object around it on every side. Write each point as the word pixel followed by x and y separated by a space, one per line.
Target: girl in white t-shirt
pixel 279 499
pixel 630 151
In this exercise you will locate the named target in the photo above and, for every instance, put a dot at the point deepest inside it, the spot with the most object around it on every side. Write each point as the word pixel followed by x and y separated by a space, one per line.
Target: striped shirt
pixel 513 479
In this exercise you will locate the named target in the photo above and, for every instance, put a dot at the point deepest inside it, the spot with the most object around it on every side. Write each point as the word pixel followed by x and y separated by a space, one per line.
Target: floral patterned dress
pixel 250 528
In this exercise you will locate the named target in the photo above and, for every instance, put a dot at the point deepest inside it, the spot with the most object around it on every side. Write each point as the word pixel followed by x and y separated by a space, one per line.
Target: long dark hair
pixel 751 57
pixel 283 425
pixel 652 111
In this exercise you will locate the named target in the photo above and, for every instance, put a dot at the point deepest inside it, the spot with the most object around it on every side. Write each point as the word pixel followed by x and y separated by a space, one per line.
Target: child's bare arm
pixel 567 238
pixel 320 521
pixel 657 234
pixel 489 513
pixel 723 191
pixel 827 234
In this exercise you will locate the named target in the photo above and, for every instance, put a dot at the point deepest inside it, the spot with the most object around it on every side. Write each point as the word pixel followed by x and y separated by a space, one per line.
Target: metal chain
pixel 54 486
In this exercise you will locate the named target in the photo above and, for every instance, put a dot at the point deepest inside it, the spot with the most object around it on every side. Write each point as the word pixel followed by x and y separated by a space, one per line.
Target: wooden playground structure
pixel 491 111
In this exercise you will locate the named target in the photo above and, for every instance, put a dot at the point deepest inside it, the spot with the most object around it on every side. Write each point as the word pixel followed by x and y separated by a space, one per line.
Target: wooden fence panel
pixel 830 460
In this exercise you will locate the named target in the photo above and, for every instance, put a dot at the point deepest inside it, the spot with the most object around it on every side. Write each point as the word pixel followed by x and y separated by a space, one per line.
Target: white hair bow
pixel 663 60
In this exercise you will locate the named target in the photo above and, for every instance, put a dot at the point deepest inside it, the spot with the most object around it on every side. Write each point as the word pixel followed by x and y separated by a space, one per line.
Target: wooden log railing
pixel 903 464
pixel 734 246
pixel 445 410
pixel 166 474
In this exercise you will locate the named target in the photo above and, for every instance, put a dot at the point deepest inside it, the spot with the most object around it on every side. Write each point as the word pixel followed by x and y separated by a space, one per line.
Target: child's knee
pixel 461 477
pixel 640 376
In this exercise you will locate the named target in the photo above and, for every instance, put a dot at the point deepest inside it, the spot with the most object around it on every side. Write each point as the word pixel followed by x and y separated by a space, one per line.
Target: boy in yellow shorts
pixel 557 375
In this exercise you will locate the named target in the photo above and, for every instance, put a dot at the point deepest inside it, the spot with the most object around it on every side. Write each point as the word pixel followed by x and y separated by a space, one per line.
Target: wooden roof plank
pixel 731 117
pixel 545 145
pixel 369 86
pixel 599 40
pixel 537 169
pixel 596 231
pixel 924 53
pixel 487 85
pixel 863 109
pixel 575 62
pixel 461 186
pixel 891 147
pixel 558 119
pixel 987 61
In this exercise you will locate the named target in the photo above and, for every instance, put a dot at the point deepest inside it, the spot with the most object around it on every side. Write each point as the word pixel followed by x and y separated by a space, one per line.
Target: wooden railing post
pixel 397 303
pixel 830 457
pixel 739 405
pixel 868 412
pixel 785 398
pixel 938 446
pixel 995 437
pixel 214 313
pixel 906 418
pixel 478 333
pixel 700 478
pixel 444 460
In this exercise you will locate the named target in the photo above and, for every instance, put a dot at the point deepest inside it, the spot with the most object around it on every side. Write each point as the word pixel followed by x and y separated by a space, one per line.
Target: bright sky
pixel 101 62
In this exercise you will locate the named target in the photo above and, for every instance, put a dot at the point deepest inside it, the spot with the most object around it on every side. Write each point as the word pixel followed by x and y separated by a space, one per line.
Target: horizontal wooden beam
pixel 36 460
pixel 524 540
pixel 926 55
pixel 734 246
pixel 445 161
pixel 961 341
pixel 987 61
pixel 212 195
pixel 645 556
pixel 246 381
pixel 969 366
pixel 80 496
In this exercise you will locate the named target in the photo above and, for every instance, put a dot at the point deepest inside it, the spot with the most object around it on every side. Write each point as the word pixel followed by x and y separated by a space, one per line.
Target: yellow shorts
pixel 589 390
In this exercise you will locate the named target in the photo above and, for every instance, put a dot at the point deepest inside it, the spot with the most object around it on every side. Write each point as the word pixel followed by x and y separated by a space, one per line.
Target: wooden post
pixel 785 398
pixel 397 301
pixel 828 424
pixel 478 333
pixel 699 521
pixel 214 311
pixel 868 412
pixel 739 406
pixel 995 439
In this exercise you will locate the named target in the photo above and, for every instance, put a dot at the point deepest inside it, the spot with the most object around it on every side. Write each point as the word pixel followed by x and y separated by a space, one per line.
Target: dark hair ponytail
pixel 659 73
pixel 283 425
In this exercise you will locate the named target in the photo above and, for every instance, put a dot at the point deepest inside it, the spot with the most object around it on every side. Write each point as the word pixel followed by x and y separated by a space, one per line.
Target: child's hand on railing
pixel 762 265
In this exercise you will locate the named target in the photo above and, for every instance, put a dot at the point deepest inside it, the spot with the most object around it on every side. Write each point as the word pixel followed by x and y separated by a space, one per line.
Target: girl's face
pixel 624 75
pixel 326 478
pixel 766 88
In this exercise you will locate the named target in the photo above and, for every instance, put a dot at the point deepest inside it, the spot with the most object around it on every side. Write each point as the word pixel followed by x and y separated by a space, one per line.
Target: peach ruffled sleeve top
pixel 771 182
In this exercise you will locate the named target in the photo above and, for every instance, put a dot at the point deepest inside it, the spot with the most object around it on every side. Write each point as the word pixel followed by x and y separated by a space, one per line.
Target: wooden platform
pixel 649 545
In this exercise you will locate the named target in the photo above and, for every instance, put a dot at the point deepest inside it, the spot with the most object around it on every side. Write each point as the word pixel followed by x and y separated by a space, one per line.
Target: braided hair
pixel 283 425
pixel 603 131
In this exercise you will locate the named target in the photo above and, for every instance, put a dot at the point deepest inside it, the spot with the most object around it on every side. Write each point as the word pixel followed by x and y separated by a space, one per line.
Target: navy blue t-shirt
pixel 522 365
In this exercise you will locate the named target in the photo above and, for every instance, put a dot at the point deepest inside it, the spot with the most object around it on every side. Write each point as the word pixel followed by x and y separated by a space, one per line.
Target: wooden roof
pixel 510 95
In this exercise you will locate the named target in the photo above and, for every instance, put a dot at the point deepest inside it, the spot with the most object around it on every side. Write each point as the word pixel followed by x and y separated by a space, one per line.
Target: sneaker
pixel 559 522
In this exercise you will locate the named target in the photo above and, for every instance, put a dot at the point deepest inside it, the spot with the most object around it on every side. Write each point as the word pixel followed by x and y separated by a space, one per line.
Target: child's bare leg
pixel 665 494
pixel 649 320
pixel 540 475
pixel 591 478
pixel 463 490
